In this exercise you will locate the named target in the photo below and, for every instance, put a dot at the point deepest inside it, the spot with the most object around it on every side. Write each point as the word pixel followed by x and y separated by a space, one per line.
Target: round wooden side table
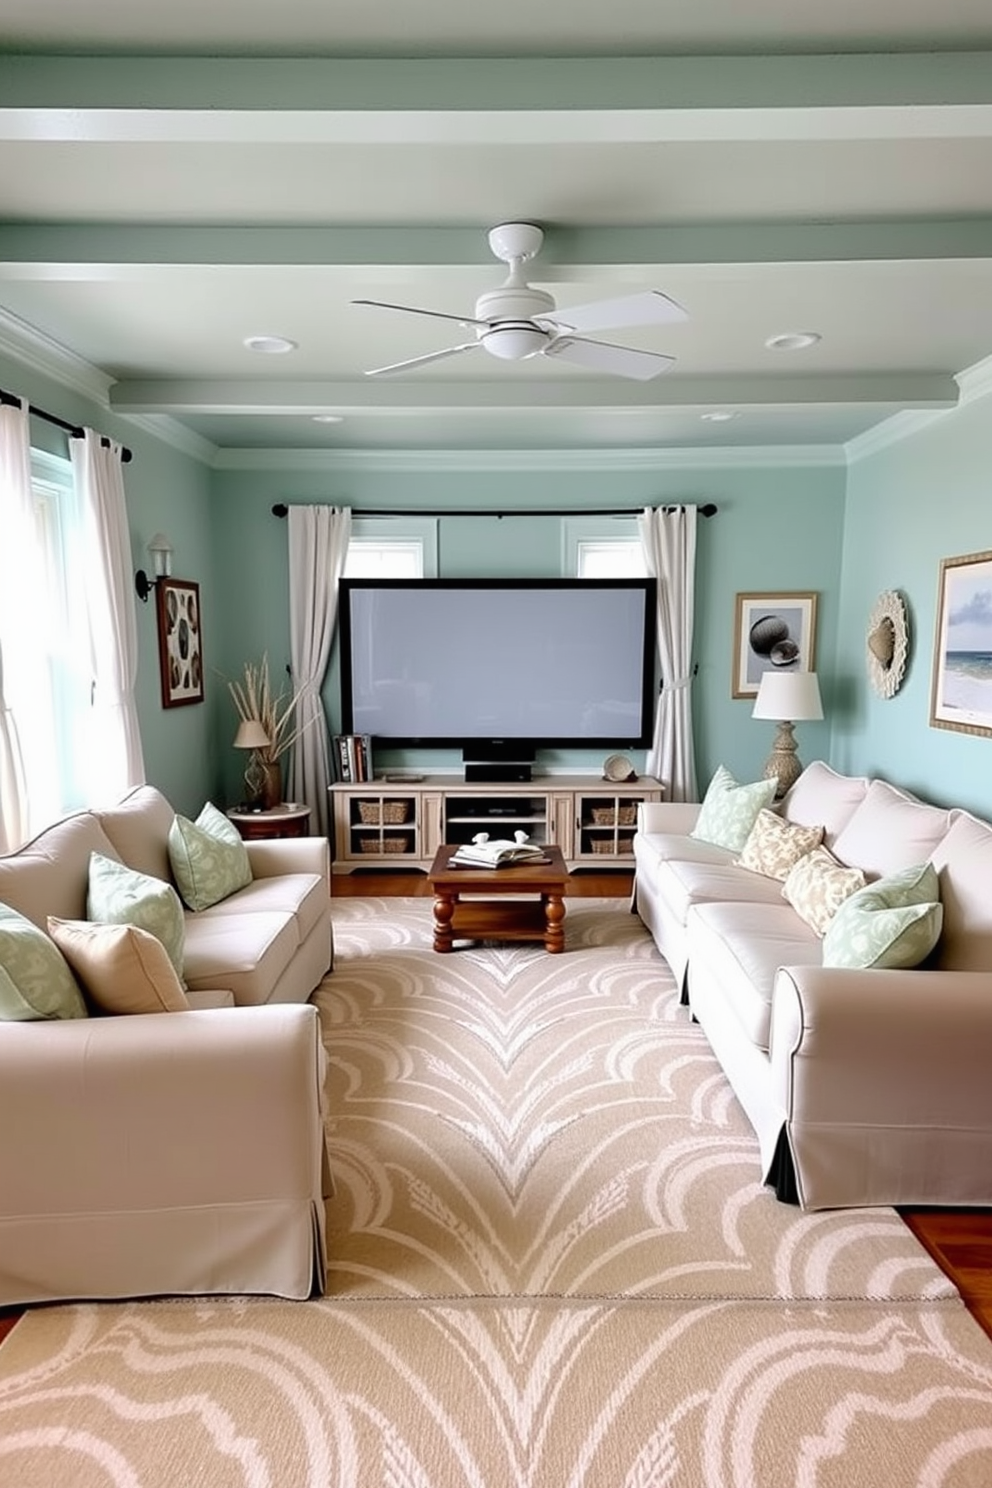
pixel 290 819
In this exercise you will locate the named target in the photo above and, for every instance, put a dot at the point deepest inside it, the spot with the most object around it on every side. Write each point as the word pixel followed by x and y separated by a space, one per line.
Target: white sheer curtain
pixel 24 691
pixel 115 760
pixel 318 546
pixel 669 538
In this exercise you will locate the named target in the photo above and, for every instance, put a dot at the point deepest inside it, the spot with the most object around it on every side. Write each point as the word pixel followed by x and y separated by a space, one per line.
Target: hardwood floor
pixel 960 1240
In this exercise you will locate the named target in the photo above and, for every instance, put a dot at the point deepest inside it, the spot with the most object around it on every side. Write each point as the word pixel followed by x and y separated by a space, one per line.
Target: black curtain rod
pixel 709 510
pixel 74 430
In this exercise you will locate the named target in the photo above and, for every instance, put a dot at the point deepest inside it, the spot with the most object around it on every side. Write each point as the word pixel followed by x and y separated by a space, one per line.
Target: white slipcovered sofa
pixel 143 1154
pixel 864 1085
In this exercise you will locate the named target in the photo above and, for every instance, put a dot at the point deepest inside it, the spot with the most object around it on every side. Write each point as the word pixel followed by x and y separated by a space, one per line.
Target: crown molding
pixel 974 382
pixel 42 354
pixel 604 461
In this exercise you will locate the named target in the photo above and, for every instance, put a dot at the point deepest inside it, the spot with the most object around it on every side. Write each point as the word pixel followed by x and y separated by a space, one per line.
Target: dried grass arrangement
pixel 255 702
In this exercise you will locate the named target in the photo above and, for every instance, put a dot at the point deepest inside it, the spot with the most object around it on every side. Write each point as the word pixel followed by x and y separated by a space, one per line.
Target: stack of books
pixel 353 758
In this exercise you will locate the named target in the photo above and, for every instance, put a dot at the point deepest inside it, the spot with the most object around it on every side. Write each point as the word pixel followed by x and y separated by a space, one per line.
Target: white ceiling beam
pixel 81 251
pixel 178 396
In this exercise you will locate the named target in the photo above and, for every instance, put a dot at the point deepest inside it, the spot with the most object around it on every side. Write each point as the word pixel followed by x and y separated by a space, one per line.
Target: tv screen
pixel 554 663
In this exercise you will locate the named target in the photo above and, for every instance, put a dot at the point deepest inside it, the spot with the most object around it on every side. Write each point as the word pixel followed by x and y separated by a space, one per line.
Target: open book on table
pixel 482 853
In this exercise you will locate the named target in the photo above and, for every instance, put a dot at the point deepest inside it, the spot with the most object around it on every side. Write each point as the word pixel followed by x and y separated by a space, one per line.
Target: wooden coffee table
pixel 485 903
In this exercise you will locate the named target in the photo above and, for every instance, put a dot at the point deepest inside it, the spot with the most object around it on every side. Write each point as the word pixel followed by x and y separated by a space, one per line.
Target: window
pixel 391 548
pixel 602 548
pixel 50 669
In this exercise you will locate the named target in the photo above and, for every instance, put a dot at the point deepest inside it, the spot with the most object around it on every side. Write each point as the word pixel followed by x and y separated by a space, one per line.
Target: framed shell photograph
pixel 772 632
pixel 180 642
pixel 961 683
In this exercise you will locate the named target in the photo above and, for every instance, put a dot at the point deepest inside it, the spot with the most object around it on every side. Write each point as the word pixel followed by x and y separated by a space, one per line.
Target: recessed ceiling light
pixel 270 345
pixel 792 340
pixel 719 416
pixel 328 418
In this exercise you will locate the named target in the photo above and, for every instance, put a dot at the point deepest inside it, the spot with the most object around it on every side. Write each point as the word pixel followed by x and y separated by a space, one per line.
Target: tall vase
pixel 271 784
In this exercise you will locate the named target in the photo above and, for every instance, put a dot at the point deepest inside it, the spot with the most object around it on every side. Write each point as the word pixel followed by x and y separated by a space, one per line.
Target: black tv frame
pixel 505 745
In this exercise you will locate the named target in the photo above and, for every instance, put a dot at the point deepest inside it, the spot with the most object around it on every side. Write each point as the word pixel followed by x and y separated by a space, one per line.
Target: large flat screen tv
pixel 553 663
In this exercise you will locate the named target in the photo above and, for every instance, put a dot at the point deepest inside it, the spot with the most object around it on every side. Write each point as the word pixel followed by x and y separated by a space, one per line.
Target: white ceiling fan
pixel 515 321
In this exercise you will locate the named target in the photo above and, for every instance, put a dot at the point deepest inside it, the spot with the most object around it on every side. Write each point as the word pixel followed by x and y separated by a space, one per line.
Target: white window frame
pixel 415 536
pixel 583 537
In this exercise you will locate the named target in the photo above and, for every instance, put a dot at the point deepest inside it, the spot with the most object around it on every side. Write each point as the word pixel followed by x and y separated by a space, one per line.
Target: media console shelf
pixel 392 824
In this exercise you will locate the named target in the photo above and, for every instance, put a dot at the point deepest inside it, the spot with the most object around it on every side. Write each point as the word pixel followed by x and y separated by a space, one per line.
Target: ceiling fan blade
pixel 650 308
pixel 463 320
pixel 421 361
pixel 622 361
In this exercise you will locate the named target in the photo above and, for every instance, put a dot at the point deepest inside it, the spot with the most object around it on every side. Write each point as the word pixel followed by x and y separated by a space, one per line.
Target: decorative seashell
pixel 882 641
pixel 766 632
pixel 783 653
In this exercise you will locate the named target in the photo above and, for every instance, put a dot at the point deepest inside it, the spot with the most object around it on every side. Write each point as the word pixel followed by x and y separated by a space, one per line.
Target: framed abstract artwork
pixel 772 632
pixel 180 642
pixel 961 682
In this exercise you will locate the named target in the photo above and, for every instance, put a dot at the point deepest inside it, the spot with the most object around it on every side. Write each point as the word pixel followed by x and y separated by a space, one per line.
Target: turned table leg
pixel 554 930
pixel 444 909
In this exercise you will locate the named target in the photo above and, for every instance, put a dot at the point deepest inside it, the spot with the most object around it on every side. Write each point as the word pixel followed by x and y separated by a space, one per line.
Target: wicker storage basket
pixel 623 844
pixel 384 845
pixel 392 812
pixel 605 816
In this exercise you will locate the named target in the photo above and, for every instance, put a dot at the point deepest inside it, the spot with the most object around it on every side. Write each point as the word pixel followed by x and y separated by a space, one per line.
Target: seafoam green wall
pixel 779 528
pixel 910 505
pixel 166 491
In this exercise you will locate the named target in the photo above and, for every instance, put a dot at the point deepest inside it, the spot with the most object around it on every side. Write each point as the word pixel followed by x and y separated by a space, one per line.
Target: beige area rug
pixel 552 1265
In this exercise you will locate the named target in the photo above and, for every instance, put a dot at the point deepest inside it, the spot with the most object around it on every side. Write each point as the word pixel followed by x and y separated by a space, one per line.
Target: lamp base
pixel 783 763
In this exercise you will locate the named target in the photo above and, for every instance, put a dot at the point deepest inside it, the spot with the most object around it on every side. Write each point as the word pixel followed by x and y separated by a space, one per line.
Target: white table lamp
pixel 788 698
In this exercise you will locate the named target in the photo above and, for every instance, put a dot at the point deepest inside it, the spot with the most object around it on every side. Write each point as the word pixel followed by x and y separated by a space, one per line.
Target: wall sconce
pixel 161 551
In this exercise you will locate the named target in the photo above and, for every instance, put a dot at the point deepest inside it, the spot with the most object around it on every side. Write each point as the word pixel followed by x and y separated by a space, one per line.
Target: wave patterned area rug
pixel 552 1265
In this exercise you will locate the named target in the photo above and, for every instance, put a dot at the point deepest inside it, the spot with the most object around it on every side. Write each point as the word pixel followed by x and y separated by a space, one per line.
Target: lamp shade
pixel 251 735
pixel 788 696
pixel 161 550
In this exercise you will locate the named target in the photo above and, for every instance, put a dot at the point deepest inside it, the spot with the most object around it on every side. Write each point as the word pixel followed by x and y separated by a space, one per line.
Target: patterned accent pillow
pixel 119 895
pixel 35 980
pixel 123 969
pixel 895 922
pixel 818 885
pixel 729 810
pixel 774 846
pixel 208 857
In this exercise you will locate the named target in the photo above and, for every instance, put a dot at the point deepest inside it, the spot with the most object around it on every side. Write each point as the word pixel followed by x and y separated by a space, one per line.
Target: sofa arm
pixel 271 856
pixel 162 1153
pixel 674 818
pixel 885 1047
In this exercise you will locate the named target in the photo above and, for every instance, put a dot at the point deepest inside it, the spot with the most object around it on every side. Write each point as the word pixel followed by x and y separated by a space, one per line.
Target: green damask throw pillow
pixel 35 979
pixel 208 857
pixel 119 895
pixel 729 810
pixel 894 922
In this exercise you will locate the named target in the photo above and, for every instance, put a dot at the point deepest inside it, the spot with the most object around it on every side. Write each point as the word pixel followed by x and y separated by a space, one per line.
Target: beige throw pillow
pixel 122 968
pixel 817 886
pixel 774 846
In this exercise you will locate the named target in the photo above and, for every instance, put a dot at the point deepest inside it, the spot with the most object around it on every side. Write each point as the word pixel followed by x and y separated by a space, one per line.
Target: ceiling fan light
pixel 512 343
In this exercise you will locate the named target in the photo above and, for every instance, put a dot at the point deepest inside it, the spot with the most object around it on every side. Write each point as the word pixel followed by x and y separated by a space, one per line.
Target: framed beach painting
pixel 772 632
pixel 180 642
pixel 961 685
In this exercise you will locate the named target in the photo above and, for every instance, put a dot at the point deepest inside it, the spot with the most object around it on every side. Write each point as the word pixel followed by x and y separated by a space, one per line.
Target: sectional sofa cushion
pixel 774 846
pixel 889 831
pixel 246 953
pixel 122 968
pixel 740 947
pixel 138 827
pixel 821 797
pixel 894 922
pixel 119 895
pixel 818 885
pixel 35 979
pixel 729 810
pixel 964 864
